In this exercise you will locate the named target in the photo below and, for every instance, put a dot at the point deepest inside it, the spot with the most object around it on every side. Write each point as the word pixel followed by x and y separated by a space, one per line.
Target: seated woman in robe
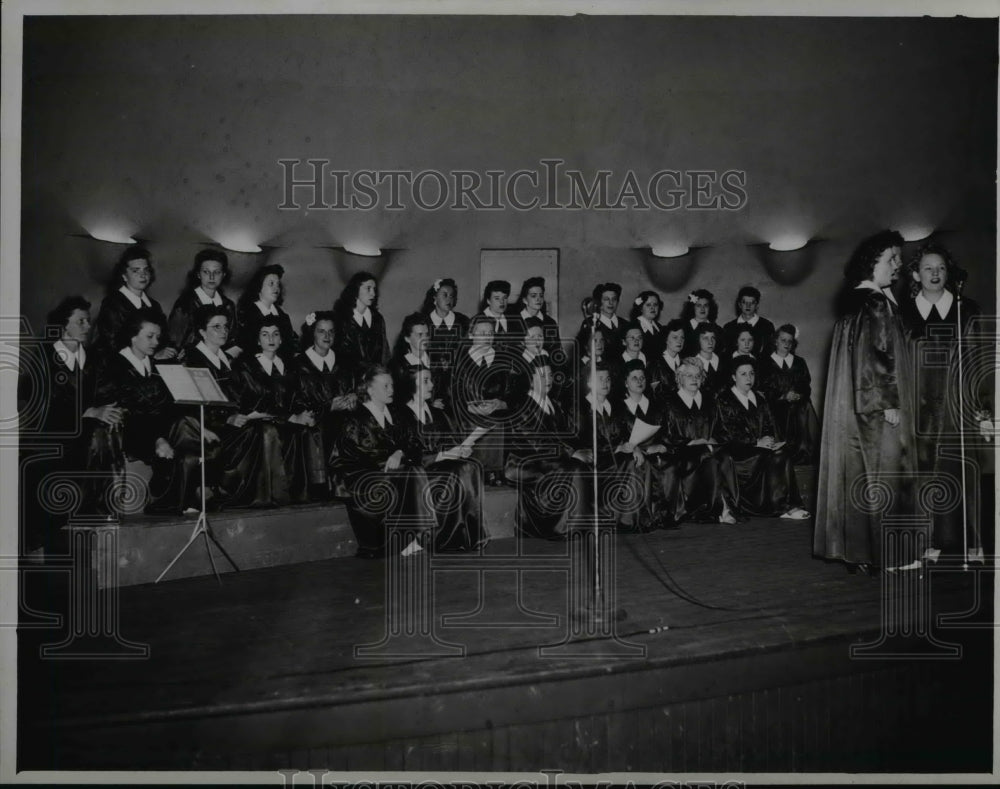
pixel 323 388
pixel 448 329
pixel 662 371
pixel 456 483
pixel 523 366
pixel 745 427
pixel 787 385
pixel 552 496
pixel 697 478
pixel 382 468
pixel 708 337
pixel 262 298
pixel 204 286
pixel 410 352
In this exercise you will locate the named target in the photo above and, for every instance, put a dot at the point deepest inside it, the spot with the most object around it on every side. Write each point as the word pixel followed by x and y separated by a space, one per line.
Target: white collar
pixel 71 358
pixel 695 323
pixel 712 362
pixel 525 315
pixel 421 412
pixel 942 305
pixel 545 405
pixel 415 360
pixel 782 362
pixel 689 398
pixel 365 317
pixel 750 397
pixel 632 404
pixel 751 322
pixel 204 299
pixel 648 326
pixel 641 357
pixel 321 363
pixel 137 301
pixel 218 361
pixel 500 319
pixel 382 417
pixel 478 354
pixel 611 323
pixel 271 310
pixel 672 361
pixel 606 408
pixel 270 364
pixel 437 320
pixel 141 366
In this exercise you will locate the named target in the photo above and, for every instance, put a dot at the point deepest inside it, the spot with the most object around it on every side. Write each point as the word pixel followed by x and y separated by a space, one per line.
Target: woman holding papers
pixel 359 330
pixel 262 298
pixel 745 427
pixel 787 385
pixel 455 482
pixel 382 468
pixel 323 388
pixel 697 478
pixel 204 286
pixel 551 489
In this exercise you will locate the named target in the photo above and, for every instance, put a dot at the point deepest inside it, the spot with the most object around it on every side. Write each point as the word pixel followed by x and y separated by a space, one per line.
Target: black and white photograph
pixel 463 392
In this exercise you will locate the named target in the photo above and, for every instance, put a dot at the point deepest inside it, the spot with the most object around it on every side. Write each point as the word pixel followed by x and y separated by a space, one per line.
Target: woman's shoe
pixel 795 514
pixel 727 517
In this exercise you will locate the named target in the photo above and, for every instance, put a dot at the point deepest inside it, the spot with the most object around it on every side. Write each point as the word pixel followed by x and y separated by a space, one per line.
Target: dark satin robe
pixel 443 347
pixel 661 378
pixel 767 483
pixel 181 327
pixel 380 500
pixel 249 319
pixel 869 372
pixel 456 484
pixel 796 422
pixel 473 382
pixel 115 311
pixel 357 346
pixel 763 337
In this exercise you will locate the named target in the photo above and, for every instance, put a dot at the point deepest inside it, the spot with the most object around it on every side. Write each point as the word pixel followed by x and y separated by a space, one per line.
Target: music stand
pixel 196 386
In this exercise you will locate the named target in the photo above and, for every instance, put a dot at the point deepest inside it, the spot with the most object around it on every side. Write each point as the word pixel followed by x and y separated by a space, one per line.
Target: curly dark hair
pixel 344 306
pixel 746 290
pixel 251 293
pixel 402 347
pixel 193 280
pixel 955 273
pixel 307 330
pixel 528 284
pixel 206 312
pixel 134 252
pixel 428 305
pixel 862 262
pixel 687 311
pixel 739 361
pixel 493 286
pixel 636 310
pixel 133 323
pixel 408 383
pixel 63 311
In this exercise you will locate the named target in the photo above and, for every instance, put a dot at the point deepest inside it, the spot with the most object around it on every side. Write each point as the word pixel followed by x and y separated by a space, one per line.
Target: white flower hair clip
pixel 692 298
pixel 796 334
pixel 310 319
pixel 638 301
pixel 437 285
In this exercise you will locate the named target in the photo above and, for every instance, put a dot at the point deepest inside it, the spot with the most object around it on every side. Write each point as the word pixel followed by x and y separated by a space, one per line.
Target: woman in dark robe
pixel 410 351
pixel 787 385
pixel 604 301
pixel 507 328
pixel 931 315
pixel 360 337
pixel 551 489
pixel 744 343
pixel 131 278
pixel 747 317
pixel 456 483
pixel 745 427
pixel 522 367
pixel 662 372
pixel 868 434
pixel 448 329
pixel 707 338
pixel 645 314
pixel 56 417
pixel 274 456
pixel 481 396
pixel 323 388
pixel 531 305
pixel 204 286
pixel 621 467
pixel 262 298
pixel 697 478
pixel 699 307
pixel 382 468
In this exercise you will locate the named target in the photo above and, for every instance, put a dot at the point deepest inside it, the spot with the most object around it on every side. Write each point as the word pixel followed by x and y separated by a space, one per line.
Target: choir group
pixel 698 422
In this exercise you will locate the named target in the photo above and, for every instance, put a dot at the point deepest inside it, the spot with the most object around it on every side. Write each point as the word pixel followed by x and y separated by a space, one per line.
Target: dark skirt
pixel 455 490
pixel 383 501
pixel 690 483
pixel 552 495
pixel 767 483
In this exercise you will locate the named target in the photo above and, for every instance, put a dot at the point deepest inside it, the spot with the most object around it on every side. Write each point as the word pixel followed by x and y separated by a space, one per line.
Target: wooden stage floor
pixel 747 668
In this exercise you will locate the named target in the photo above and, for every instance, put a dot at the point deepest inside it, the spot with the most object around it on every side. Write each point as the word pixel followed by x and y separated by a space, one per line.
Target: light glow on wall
pixel 670 249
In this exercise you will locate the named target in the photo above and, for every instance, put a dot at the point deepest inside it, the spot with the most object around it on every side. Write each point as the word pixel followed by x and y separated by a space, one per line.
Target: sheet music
pixel 642 431
pixel 191 383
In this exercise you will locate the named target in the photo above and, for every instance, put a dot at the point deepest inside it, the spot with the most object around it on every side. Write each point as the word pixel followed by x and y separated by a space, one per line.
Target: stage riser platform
pixel 137 550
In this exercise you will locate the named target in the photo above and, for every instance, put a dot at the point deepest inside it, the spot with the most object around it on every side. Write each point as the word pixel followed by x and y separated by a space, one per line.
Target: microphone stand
pixel 959 284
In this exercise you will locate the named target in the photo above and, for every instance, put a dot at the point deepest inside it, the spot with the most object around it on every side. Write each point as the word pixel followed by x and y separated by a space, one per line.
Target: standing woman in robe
pixel 359 331
pixel 261 299
pixel 324 388
pixel 531 304
pixel 267 457
pixel 56 412
pixel 645 314
pixel 745 427
pixel 699 307
pixel 457 482
pixel 204 286
pixel 604 300
pixel 131 278
pixel 867 421
pixel 747 317
pixel 410 351
pixel 931 317
pixel 744 344
pixel 707 339
pixel 662 372
pixel 448 329
pixel 697 477
pixel 376 451
pixel 787 385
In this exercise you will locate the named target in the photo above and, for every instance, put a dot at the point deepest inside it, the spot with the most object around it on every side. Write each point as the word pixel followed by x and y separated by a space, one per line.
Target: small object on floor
pixel 932 555
pixel 976 556
pixel 659 629
pixel 413 548
pixel 795 514
pixel 727 517
pixel 190 511
pixel 916 564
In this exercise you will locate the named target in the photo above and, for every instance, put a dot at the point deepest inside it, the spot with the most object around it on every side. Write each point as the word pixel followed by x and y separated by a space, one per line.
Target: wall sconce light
pixel 669 266
pixel 362 249
pixel 788 260
pixel 916 232
pixel 670 249
pixel 239 242
pixel 349 260
pixel 108 233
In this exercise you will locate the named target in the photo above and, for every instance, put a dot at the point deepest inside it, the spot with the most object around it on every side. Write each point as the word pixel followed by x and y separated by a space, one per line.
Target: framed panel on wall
pixel 517 265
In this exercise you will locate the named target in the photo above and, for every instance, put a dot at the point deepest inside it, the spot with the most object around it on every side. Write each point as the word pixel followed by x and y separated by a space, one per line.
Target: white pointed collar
pixel 643 403
pixel 942 305
pixel 364 317
pixel 71 358
pixel 321 363
pixel 218 360
pixel 544 403
pixel 713 362
pixel 501 320
pixel 137 301
pixel 437 320
pixel 751 322
pixel 672 361
pixel 689 399
pixel 869 285
pixel 786 362
pixel 268 310
pixel 641 357
pixel 203 297
pixel 648 326
pixel 417 360
pixel 270 364
pixel 611 323
pixel 745 400
pixel 382 417
pixel 421 412
pixel 605 408
pixel 479 354
pixel 142 366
